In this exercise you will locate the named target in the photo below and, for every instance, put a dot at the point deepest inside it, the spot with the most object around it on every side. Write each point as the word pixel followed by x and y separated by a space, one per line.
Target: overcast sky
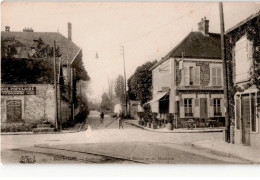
pixel 148 30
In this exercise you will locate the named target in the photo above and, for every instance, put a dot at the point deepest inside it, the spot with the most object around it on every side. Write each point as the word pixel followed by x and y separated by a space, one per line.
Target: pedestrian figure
pixel 121 121
pixel 101 117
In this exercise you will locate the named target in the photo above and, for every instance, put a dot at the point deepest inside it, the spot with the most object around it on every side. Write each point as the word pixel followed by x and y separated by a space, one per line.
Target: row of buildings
pixel 28 81
pixel 188 82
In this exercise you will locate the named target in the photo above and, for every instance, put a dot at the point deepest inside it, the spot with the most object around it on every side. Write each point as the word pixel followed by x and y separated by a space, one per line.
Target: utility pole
pixel 224 64
pixel 123 54
pixel 55 85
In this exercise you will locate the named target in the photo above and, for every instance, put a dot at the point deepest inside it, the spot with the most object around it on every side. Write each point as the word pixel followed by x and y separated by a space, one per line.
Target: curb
pixel 31 133
pixel 221 153
pixel 200 131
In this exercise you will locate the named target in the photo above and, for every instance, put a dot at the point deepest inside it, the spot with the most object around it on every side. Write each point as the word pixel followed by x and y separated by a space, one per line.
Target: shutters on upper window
pixel 186 76
pixel 197 76
pixel 216 74
pixel 191 75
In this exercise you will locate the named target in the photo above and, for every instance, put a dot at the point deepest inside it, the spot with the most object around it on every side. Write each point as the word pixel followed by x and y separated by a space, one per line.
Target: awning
pixel 157 97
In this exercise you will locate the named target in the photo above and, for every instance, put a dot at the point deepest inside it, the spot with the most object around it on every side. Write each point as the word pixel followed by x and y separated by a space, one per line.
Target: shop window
pixel 188 107
pixel 217 107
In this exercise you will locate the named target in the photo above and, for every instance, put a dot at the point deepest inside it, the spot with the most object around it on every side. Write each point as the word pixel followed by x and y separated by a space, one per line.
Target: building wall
pixel 161 77
pixel 34 107
pixel 240 55
pixel 205 67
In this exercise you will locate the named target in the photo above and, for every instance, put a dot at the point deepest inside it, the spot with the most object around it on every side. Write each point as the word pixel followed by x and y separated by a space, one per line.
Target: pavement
pixel 131 143
pixel 239 151
pixel 179 130
pixel 139 152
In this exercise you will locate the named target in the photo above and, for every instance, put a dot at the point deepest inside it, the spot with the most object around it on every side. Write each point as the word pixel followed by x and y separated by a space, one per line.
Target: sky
pixel 147 30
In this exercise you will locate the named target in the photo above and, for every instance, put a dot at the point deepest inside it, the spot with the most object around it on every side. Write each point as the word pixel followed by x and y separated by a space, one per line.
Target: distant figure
pixel 121 121
pixel 101 117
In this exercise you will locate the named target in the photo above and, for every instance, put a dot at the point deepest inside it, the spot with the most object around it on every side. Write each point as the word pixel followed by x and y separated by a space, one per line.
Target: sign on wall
pixel 18 91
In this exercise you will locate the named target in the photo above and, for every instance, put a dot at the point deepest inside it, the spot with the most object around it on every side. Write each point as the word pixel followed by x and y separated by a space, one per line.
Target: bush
pixel 17 127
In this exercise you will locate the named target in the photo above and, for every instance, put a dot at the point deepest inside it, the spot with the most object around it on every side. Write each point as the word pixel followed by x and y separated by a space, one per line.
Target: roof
pixel 196 45
pixel 67 48
pixel 243 22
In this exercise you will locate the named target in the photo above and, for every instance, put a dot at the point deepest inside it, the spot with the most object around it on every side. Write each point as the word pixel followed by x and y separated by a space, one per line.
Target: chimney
pixel 7 28
pixel 203 26
pixel 69 31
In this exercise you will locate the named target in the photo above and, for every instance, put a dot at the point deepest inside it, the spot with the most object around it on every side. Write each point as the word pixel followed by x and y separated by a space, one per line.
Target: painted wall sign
pixel 18 91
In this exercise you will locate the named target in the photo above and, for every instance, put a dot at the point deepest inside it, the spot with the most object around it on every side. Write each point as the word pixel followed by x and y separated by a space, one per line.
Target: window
pixel 216 76
pixel 217 107
pixel 191 75
pixel 246 111
pixel 188 107
pixel 243 59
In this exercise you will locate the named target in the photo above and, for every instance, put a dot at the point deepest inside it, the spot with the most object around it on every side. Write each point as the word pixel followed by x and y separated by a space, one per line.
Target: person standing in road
pixel 101 117
pixel 121 121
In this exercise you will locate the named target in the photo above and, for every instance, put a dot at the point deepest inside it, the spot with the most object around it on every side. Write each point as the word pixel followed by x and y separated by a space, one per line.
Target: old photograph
pixel 130 82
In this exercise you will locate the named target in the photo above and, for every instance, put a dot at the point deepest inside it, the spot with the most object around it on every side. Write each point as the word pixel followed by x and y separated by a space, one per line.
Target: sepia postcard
pixel 130 82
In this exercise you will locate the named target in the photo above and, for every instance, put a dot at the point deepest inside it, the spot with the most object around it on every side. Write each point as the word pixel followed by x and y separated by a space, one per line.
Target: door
pixel 245 118
pixel 203 108
pixel 14 110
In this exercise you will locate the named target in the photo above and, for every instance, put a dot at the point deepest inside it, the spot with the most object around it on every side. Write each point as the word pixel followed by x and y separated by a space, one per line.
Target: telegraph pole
pixel 123 54
pixel 224 64
pixel 55 85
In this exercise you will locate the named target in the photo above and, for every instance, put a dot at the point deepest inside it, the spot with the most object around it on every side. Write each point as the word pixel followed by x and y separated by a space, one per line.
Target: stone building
pixel 243 51
pixel 188 83
pixel 27 75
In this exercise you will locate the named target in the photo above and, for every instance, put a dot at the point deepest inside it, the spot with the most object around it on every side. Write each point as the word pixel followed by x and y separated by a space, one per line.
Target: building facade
pixel 188 81
pixel 243 51
pixel 27 76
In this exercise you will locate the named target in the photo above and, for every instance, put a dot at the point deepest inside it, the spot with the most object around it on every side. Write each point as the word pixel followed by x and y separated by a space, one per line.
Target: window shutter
pixel 250 49
pixel 197 75
pixel 181 102
pixel 222 106
pixel 214 78
pixel 237 113
pixel 211 108
pixel 196 102
pixel 193 105
pixel 187 76
pixel 219 76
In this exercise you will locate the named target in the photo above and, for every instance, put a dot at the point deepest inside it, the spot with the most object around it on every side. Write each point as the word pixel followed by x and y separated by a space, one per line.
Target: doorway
pixel 14 110
pixel 203 108
pixel 245 118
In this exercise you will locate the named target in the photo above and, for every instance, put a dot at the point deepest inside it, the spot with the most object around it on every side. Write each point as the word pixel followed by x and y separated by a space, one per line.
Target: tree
pixel 140 83
pixel 105 103
pixel 120 89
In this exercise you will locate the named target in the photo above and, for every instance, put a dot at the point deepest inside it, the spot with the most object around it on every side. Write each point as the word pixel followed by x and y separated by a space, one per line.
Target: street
pixel 106 143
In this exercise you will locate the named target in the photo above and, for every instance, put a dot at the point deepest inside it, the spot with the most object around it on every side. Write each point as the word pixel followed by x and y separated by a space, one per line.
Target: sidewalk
pixel 232 150
pixel 31 133
pixel 180 130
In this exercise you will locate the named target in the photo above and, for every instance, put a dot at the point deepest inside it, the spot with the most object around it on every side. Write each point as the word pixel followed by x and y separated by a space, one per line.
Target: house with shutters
pixel 188 81
pixel 243 53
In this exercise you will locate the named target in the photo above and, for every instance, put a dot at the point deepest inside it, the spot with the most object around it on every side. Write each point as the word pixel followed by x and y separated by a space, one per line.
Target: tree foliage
pixel 140 83
pixel 105 102
pixel 120 88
